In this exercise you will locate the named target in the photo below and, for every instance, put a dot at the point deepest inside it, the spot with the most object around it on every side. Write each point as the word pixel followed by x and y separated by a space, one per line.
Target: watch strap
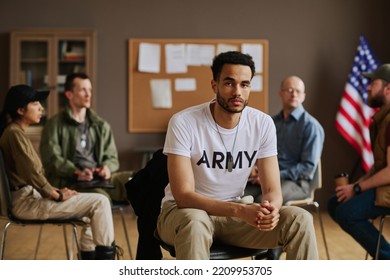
pixel 357 188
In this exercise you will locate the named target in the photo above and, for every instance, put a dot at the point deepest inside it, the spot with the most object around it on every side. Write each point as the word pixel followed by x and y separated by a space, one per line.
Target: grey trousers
pixel 93 208
pixel 192 231
pixel 295 190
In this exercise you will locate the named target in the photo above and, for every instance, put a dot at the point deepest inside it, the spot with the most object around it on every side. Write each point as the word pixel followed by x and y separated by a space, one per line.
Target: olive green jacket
pixel 378 134
pixel 381 121
pixel 58 147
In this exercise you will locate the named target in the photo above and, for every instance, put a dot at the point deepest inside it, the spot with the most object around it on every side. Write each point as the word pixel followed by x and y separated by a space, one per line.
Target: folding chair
pixel 315 185
pixel 6 213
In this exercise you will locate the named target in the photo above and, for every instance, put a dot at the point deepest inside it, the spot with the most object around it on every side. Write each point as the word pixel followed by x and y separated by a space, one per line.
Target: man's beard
pixel 224 105
pixel 376 101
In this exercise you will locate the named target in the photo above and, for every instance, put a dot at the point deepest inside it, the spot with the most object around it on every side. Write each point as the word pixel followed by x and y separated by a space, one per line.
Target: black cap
pixel 20 95
pixel 382 72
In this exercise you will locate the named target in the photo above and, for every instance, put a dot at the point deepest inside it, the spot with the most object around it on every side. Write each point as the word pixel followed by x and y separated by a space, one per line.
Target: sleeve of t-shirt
pixel 178 137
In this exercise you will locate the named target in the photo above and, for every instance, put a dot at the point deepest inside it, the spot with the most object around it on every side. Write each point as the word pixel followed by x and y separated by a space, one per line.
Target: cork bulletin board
pixel 185 85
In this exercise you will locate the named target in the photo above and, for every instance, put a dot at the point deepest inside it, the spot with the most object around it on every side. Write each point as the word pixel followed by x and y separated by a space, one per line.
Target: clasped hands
pixel 66 193
pixel 87 174
pixel 266 216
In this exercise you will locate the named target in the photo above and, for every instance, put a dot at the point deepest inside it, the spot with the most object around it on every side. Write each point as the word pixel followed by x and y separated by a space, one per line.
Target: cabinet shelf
pixel 40 56
pixel 34 60
pixel 77 61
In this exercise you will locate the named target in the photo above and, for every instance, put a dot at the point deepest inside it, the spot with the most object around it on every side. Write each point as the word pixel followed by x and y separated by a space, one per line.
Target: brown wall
pixel 315 39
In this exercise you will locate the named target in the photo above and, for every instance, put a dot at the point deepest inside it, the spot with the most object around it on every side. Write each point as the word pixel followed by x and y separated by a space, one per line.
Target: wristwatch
pixel 357 189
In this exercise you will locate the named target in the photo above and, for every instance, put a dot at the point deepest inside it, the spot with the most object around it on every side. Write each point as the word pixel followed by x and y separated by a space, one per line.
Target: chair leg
pixel 38 242
pixel 378 245
pixel 68 248
pixel 322 228
pixel 69 245
pixel 4 235
pixel 366 256
pixel 126 233
pixel 380 228
pixel 76 238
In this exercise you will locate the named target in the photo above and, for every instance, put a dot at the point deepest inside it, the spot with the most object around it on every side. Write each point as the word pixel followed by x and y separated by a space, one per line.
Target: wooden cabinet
pixel 42 58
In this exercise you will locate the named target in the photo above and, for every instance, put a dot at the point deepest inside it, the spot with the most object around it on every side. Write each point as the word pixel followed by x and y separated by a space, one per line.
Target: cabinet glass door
pixel 71 59
pixel 33 68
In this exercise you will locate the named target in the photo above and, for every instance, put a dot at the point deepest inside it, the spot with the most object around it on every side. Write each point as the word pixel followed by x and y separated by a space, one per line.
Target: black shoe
pixel 87 255
pixel 108 252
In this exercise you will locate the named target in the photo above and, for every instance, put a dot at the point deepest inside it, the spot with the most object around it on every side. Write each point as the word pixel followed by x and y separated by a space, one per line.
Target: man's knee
pixel 101 199
pixel 184 224
pixel 195 219
pixel 294 215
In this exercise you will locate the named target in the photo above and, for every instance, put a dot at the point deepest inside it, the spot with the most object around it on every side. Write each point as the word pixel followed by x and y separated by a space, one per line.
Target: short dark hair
pixel 70 78
pixel 231 57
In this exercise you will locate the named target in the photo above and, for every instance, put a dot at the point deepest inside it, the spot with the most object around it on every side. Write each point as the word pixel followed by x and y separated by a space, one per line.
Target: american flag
pixel 354 115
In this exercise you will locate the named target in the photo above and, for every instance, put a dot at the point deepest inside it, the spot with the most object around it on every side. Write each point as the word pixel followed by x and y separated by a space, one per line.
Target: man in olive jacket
pixel 78 145
pixel 355 204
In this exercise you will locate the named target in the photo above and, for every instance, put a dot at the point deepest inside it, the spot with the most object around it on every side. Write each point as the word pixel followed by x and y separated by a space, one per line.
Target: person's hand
pixel 344 192
pixel 103 172
pixel 85 175
pixel 268 216
pixel 249 213
pixel 67 193
pixel 60 195
pixel 254 176
pixel 254 180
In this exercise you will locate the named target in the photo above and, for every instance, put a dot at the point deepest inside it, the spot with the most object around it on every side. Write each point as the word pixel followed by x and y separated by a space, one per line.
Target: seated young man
pixel 211 150
pixel 78 145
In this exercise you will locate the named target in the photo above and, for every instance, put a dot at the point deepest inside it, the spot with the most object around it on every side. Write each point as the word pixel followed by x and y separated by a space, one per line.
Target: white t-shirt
pixel 193 133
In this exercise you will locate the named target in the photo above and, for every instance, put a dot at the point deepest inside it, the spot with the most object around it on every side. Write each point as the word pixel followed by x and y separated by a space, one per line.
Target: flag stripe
pixel 354 115
pixel 347 116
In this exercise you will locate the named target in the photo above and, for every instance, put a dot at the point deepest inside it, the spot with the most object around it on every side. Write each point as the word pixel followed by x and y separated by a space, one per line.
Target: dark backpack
pixel 145 192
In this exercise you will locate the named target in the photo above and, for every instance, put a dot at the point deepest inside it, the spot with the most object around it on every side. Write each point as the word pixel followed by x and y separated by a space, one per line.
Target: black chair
pixel 381 224
pixel 380 229
pixel 222 251
pixel 6 213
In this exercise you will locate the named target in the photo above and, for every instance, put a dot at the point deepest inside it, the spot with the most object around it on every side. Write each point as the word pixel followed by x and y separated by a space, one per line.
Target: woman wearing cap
pixel 32 195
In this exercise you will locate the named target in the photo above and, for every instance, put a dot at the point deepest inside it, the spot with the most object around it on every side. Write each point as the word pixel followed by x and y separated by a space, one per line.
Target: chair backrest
pixel 315 184
pixel 5 192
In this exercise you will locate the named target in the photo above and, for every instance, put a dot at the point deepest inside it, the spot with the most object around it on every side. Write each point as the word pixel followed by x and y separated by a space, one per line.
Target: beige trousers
pixel 93 208
pixel 192 231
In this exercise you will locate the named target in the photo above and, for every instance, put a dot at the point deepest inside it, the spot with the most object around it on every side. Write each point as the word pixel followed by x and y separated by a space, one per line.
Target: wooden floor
pixel 20 243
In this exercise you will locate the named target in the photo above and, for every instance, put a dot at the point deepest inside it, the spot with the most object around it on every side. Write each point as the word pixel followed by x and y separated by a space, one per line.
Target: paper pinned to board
pixel 226 48
pixel 149 58
pixel 199 54
pixel 161 93
pixel 257 83
pixel 256 51
pixel 175 58
pixel 185 84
